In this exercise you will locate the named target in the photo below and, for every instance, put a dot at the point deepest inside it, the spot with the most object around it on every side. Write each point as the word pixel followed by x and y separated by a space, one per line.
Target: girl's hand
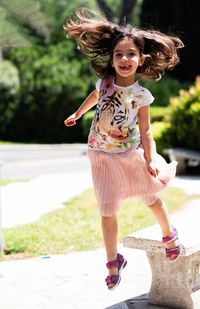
pixel 71 120
pixel 152 169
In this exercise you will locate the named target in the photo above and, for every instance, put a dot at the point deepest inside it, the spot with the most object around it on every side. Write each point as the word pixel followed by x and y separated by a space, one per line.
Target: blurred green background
pixel 43 77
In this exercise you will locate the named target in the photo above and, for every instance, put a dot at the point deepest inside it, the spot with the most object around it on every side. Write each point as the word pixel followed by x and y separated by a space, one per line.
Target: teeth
pixel 125 67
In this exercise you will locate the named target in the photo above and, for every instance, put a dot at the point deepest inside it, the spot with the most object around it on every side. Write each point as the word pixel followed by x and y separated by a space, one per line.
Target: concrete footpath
pixel 76 280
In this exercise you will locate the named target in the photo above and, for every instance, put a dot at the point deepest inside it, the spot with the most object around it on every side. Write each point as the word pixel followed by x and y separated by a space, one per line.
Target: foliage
pixel 9 77
pixel 11 35
pixel 9 93
pixel 185 119
pixel 21 21
pixel 120 12
pixel 159 113
pixel 53 84
pixel 48 93
pixel 162 139
pixel 58 11
pixel 86 122
pixel 164 89
pixel 8 181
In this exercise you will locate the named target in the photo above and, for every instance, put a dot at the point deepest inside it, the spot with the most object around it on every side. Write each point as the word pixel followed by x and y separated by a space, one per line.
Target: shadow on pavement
pixel 138 302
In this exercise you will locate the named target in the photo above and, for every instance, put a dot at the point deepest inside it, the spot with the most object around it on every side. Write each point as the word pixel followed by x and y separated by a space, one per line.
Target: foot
pixel 173 248
pixel 112 278
pixel 115 267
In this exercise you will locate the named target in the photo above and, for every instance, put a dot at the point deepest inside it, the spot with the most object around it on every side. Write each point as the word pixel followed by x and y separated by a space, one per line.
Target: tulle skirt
pixel 124 175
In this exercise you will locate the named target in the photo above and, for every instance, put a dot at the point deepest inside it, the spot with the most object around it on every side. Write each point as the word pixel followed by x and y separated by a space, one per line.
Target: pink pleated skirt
pixel 124 175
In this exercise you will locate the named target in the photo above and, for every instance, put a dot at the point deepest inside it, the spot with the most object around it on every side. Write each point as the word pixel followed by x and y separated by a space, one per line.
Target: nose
pixel 124 57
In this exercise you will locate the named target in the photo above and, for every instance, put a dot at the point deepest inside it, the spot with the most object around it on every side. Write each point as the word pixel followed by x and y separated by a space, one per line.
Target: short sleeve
pixel 98 85
pixel 148 98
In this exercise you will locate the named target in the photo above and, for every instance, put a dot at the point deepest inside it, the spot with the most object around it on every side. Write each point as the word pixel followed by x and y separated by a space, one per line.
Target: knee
pixel 108 221
pixel 108 218
pixel 158 203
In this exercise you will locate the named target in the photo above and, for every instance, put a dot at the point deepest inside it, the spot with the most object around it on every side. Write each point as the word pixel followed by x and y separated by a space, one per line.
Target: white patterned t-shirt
pixel 113 127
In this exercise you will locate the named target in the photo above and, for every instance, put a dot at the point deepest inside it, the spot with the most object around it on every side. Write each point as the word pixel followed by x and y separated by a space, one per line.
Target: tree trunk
pixel 127 11
pixel 127 7
pixel 105 9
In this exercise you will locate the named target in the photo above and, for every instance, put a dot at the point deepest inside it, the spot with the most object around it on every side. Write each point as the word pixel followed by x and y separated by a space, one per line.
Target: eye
pixel 118 55
pixel 131 54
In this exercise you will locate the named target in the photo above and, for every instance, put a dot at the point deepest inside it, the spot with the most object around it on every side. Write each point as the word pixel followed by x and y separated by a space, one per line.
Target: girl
pixel 124 161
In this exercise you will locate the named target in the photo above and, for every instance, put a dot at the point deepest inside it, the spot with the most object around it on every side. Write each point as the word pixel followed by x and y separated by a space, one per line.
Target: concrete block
pixel 174 284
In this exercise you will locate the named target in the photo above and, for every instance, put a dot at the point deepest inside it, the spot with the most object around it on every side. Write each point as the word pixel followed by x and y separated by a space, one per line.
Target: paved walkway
pixel 25 202
pixel 76 280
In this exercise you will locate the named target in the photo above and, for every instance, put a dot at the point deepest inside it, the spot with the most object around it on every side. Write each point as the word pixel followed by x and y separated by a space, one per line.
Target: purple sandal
pixel 119 263
pixel 176 250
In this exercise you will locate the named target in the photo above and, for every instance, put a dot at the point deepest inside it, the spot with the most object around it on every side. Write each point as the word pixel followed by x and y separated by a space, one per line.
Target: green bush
pixel 159 113
pixel 9 93
pixel 162 139
pixel 166 88
pixel 87 121
pixel 54 82
pixel 185 119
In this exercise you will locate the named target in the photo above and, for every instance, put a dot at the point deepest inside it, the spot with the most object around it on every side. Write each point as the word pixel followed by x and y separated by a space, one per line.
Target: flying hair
pixel 97 38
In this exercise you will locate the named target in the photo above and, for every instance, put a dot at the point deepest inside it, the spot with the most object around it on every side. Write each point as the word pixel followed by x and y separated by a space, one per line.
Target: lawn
pixel 77 225
pixel 4 182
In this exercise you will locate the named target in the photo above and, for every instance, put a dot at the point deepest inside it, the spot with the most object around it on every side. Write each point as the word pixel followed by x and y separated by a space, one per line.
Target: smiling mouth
pixel 125 67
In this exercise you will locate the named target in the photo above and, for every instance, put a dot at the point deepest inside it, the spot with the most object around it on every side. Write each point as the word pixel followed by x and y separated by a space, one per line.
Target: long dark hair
pixel 97 38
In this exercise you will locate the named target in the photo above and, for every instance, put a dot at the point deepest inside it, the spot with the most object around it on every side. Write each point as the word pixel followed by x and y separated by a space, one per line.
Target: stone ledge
pixel 149 240
pixel 177 284
pixel 182 155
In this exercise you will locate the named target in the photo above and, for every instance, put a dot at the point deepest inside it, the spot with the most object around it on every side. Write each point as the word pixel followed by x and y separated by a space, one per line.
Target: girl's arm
pixel 89 102
pixel 147 139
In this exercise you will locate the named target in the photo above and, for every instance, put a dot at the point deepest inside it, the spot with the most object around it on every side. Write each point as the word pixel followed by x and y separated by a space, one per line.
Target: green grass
pixel 77 226
pixel 10 143
pixel 4 182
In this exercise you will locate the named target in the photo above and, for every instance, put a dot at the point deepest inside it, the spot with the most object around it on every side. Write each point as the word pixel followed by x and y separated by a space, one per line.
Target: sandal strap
pixel 171 238
pixel 120 262
pixel 115 263
pixel 112 279
pixel 120 257
pixel 175 250
pixel 112 264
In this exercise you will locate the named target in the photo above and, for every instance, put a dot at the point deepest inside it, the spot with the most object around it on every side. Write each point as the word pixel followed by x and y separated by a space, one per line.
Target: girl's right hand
pixel 71 120
pixel 152 169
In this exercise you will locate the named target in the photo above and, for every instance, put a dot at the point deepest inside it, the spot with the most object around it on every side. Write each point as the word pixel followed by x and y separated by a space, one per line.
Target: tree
pixel 9 93
pixel 20 20
pixel 53 83
pixel 57 11
pixel 126 9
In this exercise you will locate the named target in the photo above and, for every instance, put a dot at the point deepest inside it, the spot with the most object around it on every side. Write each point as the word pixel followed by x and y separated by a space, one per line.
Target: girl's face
pixel 126 59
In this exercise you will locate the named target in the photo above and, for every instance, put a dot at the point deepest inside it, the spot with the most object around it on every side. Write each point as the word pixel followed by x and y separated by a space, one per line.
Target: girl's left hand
pixel 152 169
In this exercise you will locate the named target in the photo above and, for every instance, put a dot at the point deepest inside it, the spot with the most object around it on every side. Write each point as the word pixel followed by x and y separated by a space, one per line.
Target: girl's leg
pixel 110 231
pixel 160 211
